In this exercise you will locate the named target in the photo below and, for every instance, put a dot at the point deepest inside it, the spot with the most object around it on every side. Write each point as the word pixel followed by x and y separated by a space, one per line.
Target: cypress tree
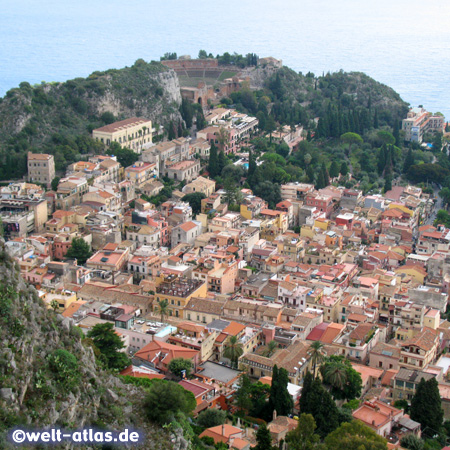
pixel 213 163
pixel 315 400
pixel 351 123
pixel 326 178
pixel 280 400
pixel 396 132
pixel 222 161
pixel 251 164
pixel 409 161
pixel 426 407
pixel 171 134
pixel 304 399
pixel 334 170
pixel 382 159
pixel 344 169
pixel 320 182
pixel 310 174
pixel 375 120
pixel 263 438
pixel 388 183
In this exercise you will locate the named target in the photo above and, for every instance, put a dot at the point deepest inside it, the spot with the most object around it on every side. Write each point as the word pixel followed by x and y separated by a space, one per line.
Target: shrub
pixel 211 418
pixel 64 366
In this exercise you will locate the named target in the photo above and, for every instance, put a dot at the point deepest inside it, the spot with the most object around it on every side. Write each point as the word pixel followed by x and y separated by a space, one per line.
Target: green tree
pixel 213 163
pixel 326 177
pixel 409 161
pixel 344 380
pixel 54 305
pixel 271 126
pixel 125 156
pixel 317 401
pixel 163 308
pixel 165 399
pixel 231 191
pixel 268 191
pixel 65 368
pixel 437 142
pixel 412 442
pixel 334 169
pixel 211 418
pixel 263 439
pixel 387 183
pixel 335 374
pixel 271 347
pixel 200 120
pixel 202 54
pixel 303 437
pixel 79 250
pixel 55 183
pixel 242 397
pixel 187 112
pixel 344 169
pixel 233 350
pixel 223 136
pixel 195 201
pixel 351 139
pixel 385 137
pixel 109 344
pixel 279 399
pixel 444 193
pixel 178 366
pixel 222 161
pixel 316 353
pixel 355 436
pixel 426 407
pixel 402 404
pixel 283 149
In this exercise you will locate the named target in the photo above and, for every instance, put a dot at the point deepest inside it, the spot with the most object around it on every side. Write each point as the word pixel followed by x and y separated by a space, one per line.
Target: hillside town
pixel 241 287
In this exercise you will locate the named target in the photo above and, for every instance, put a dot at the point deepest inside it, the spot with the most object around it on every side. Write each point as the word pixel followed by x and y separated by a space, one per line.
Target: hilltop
pixel 58 118
pixel 54 114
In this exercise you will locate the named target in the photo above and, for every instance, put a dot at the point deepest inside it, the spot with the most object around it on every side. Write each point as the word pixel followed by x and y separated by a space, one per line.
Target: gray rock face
pixel 7 394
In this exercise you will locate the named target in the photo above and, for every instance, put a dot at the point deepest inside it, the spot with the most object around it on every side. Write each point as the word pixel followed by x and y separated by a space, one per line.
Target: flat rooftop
pixel 218 372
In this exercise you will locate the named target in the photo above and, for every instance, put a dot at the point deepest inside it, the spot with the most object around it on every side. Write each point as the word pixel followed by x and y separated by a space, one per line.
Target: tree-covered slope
pixel 59 117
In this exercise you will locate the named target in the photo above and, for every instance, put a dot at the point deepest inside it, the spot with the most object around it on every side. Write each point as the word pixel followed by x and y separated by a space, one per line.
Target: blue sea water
pixel 402 43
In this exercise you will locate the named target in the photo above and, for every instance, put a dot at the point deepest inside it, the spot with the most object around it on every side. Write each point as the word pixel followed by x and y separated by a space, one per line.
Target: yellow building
pixel 322 223
pixel 417 272
pixel 401 207
pixel 63 299
pixel 432 319
pixel 132 133
pixel 307 231
pixel 178 291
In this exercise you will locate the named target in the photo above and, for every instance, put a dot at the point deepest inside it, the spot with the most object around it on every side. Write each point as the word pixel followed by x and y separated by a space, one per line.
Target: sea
pixel 404 44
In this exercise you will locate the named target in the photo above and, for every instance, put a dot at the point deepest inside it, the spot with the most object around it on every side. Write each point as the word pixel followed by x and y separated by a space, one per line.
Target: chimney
pixel 274 414
pixel 223 429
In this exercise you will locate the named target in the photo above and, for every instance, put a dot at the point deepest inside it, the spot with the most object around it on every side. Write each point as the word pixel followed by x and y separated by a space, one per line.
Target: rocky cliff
pixel 42 386
pixel 32 114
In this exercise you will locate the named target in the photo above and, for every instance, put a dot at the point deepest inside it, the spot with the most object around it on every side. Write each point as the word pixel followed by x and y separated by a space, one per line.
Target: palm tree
pixel 316 353
pixel 233 350
pixel 271 346
pixel 335 374
pixel 163 308
pixel 222 138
